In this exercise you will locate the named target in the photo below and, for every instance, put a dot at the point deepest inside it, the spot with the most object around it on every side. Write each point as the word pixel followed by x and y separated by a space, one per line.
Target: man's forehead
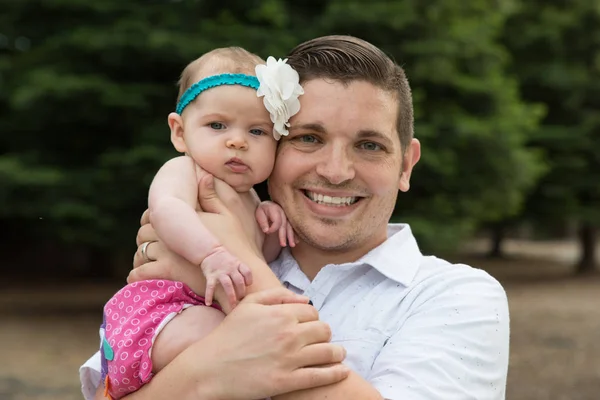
pixel 359 107
pixel 339 95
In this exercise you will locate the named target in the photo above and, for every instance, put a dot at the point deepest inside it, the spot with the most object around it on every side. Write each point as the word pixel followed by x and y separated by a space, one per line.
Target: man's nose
pixel 337 166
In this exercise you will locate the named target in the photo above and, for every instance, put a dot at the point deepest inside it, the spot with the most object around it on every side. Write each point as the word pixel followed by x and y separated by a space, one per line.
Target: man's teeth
pixel 330 200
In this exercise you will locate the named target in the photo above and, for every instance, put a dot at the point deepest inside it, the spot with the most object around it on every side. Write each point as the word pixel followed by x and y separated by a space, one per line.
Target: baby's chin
pixel 238 184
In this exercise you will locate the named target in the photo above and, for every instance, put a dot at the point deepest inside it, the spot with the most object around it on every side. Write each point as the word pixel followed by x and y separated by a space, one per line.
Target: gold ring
pixel 145 254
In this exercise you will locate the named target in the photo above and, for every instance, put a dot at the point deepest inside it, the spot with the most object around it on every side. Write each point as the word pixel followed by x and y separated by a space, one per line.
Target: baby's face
pixel 229 133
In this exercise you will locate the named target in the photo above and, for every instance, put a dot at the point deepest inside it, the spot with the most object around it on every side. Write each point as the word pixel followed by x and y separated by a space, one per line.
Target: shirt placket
pixel 321 286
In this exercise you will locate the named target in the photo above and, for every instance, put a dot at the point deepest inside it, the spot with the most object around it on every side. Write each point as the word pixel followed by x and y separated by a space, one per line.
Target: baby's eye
pixel 217 125
pixel 257 132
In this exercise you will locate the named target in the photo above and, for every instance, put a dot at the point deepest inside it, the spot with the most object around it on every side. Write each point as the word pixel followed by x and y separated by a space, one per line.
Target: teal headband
pixel 212 81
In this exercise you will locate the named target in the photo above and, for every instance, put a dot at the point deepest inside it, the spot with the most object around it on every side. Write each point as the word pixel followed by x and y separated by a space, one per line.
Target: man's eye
pixel 217 125
pixel 370 146
pixel 257 132
pixel 307 139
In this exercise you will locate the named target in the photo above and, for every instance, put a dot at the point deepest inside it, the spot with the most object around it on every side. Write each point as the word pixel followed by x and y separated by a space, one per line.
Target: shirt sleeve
pixel 89 376
pixel 454 345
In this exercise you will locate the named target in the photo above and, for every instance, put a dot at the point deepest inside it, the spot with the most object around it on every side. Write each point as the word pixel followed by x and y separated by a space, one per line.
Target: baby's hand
pixel 220 266
pixel 271 218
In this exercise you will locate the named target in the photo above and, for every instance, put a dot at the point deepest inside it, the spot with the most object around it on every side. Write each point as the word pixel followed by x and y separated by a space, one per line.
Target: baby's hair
pixel 232 60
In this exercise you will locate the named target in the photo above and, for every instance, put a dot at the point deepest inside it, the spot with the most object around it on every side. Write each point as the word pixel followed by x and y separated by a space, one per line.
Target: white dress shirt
pixel 416 327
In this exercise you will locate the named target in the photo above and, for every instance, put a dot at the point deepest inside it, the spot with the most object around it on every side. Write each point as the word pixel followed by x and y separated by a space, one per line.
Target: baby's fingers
pixel 227 284
pixel 211 284
pixel 246 273
pixel 262 219
pixel 239 283
pixel 291 236
pixel 283 235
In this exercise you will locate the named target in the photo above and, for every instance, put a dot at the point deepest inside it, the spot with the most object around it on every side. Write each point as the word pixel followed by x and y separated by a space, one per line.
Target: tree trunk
pixel 587 240
pixel 498 233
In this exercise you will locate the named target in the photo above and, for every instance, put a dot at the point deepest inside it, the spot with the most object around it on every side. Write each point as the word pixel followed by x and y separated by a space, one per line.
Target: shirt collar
pixel 398 258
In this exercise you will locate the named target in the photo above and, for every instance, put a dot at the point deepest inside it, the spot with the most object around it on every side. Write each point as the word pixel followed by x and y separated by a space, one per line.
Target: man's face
pixel 338 172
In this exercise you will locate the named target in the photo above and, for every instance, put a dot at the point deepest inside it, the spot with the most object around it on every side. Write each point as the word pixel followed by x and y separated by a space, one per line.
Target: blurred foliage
pixel 85 88
pixel 555 48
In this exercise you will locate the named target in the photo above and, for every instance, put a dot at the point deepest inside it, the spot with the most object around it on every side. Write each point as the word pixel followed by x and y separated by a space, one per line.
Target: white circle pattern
pixel 137 310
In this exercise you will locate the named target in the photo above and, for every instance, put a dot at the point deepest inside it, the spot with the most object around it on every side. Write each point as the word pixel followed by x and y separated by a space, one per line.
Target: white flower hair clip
pixel 280 86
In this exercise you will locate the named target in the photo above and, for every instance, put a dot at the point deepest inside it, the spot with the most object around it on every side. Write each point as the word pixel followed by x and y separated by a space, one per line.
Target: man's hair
pixel 232 60
pixel 346 59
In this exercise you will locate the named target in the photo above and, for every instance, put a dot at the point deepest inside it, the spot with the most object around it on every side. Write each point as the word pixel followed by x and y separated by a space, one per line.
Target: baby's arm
pixel 172 204
pixel 273 222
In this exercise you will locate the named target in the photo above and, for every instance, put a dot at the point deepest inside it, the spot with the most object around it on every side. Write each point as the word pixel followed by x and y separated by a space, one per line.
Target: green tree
pixel 84 106
pixel 84 99
pixel 555 48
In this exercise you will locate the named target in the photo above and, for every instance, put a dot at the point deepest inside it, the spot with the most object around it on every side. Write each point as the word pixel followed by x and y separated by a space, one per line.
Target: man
pixel 411 326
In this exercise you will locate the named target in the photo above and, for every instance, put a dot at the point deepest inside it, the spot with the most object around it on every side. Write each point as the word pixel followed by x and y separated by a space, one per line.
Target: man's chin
pixel 327 238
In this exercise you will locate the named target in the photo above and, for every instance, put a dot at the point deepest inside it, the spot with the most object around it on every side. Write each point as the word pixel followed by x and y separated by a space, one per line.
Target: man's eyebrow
pixel 362 134
pixel 315 127
pixel 371 134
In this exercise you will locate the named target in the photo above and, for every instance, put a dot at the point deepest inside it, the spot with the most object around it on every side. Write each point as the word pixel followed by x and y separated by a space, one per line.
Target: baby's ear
pixel 176 125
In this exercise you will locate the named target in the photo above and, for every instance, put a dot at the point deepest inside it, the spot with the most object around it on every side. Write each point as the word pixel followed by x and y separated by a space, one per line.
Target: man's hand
pixel 275 345
pixel 272 343
pixel 166 265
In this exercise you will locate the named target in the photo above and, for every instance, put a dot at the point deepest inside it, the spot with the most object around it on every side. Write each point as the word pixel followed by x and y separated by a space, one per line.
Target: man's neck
pixel 312 260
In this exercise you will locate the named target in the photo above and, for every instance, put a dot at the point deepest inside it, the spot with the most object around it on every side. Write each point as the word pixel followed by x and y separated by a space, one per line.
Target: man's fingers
pixel 152 251
pixel 151 270
pixel 146 233
pixel 311 377
pixel 274 296
pixel 301 312
pixel 207 196
pixel 145 218
pixel 320 355
pixel 314 331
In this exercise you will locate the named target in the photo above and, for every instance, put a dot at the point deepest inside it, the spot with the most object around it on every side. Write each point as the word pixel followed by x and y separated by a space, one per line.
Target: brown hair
pixel 346 59
pixel 233 60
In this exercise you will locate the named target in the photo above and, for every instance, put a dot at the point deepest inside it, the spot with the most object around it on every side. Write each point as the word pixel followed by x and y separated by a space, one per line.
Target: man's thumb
pixel 207 196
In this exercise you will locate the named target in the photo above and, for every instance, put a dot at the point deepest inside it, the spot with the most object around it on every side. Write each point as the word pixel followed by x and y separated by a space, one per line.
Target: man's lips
pixel 338 199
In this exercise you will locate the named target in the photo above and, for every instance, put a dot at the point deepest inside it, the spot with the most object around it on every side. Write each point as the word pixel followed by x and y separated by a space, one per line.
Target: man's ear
pixel 176 125
pixel 411 157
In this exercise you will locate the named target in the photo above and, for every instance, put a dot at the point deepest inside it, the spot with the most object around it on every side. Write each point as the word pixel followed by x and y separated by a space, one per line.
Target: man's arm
pixel 354 387
pixel 267 345
pixel 455 344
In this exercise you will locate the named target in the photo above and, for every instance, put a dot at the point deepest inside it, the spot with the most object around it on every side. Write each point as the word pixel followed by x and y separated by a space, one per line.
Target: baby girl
pixel 232 109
